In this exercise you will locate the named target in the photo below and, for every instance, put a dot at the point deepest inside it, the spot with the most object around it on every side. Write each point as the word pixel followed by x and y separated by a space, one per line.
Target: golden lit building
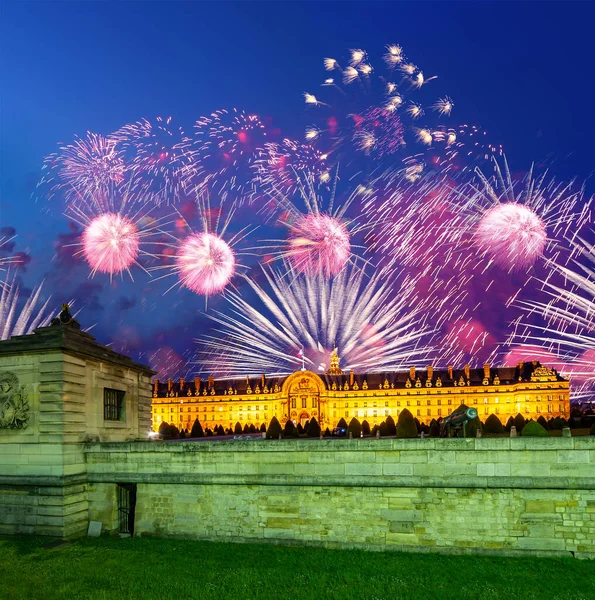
pixel 529 388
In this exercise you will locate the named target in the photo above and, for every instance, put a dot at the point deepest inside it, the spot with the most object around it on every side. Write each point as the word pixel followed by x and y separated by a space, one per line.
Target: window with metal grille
pixel 126 506
pixel 113 404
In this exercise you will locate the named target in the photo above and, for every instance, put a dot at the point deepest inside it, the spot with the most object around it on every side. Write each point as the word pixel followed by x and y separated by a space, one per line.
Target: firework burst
pixel 161 166
pixel 226 145
pixel 117 231
pixel 516 229
pixel 280 167
pixel 90 166
pixel 373 114
pixel 205 261
pixel 372 328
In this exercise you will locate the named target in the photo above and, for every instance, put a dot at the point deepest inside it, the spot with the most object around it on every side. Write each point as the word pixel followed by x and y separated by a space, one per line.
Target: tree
pixel 493 425
pixel 208 433
pixel 163 428
pixel 313 428
pixel 406 427
pixel 306 424
pixel 182 434
pixel 384 429
pixel 354 428
pixel 196 429
pixel 238 429
pixel 289 427
pixel 434 428
pixel 252 428
pixel 229 431
pixel 300 429
pixel 365 427
pixel 342 423
pixel 534 429
pixel 509 423
pixel 263 428
pixel 374 430
pixel 171 433
pixel 417 424
pixel 246 428
pixel 541 420
pixel 519 422
pixel 327 432
pixel 391 428
pixel 274 430
pixel 592 430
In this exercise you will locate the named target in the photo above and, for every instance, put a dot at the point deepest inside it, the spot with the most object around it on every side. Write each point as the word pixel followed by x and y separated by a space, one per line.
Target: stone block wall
pixel 510 495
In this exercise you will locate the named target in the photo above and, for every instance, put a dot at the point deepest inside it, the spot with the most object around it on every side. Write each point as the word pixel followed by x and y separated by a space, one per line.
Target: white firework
pixel 21 320
pixel 373 329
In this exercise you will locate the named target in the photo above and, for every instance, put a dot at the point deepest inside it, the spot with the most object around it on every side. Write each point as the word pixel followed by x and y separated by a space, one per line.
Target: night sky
pixel 523 71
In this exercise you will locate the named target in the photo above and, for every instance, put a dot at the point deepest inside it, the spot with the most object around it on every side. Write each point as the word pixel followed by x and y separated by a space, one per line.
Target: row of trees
pixel 407 426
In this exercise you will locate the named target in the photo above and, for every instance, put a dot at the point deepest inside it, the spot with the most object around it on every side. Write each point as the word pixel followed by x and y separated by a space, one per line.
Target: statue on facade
pixel 65 319
pixel 14 405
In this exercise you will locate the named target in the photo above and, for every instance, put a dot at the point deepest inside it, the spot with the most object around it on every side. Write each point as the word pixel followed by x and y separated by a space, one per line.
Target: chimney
pixel 211 382
pixel 155 386
pixel 486 370
pixel 351 378
pixel 467 372
pixel 169 384
pixel 262 380
pixel 450 372
pixel 412 373
pixel 430 372
pixel 197 383
pixel 182 382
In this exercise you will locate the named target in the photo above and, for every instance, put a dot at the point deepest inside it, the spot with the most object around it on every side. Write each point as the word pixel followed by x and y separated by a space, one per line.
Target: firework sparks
pixel 111 243
pixel 16 320
pixel 279 167
pixel 569 314
pixel 160 163
pixel 227 144
pixel 372 328
pixel 206 260
pixel 514 230
pixel 90 166
pixel 318 245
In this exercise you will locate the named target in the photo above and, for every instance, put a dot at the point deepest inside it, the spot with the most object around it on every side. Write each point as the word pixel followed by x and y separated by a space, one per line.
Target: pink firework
pixel 111 243
pixel 205 263
pixel 319 245
pixel 513 235
pixel 378 130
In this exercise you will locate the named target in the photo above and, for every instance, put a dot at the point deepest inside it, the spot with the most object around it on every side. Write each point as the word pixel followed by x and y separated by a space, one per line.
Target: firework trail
pixel 568 314
pixel 373 328
pixel 89 166
pixel 161 168
pixel 21 320
pixel 206 260
pixel 226 145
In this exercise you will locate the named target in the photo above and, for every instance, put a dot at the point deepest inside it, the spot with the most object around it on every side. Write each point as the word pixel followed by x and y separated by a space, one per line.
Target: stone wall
pixel 62 373
pixel 466 495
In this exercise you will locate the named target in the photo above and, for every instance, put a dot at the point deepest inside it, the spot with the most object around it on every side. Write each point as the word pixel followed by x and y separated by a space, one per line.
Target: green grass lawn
pixel 157 568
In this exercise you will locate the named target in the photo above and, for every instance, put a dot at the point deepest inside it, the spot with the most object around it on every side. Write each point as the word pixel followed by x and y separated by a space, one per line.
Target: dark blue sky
pixel 524 71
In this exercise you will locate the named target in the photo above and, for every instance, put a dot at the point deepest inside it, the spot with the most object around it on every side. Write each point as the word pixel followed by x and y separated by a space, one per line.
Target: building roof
pixel 523 372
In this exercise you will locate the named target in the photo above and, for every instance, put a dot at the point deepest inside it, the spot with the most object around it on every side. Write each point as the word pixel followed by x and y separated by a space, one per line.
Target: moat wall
pixel 509 495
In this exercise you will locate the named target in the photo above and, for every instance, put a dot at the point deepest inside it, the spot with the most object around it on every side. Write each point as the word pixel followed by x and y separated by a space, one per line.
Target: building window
pixel 113 404
pixel 439 412
pixel 386 413
pixel 335 405
pixel 418 412
pixel 346 404
pixel 549 397
pixel 485 400
pixel 355 405
pixel 418 404
pixel 346 413
pixel 486 410
pixel 449 402
pixel 386 404
pixel 293 403
pixel 314 402
pixel 429 411
pixel 439 402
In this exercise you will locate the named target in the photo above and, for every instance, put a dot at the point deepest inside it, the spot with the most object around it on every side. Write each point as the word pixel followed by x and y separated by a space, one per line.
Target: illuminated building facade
pixel 529 388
